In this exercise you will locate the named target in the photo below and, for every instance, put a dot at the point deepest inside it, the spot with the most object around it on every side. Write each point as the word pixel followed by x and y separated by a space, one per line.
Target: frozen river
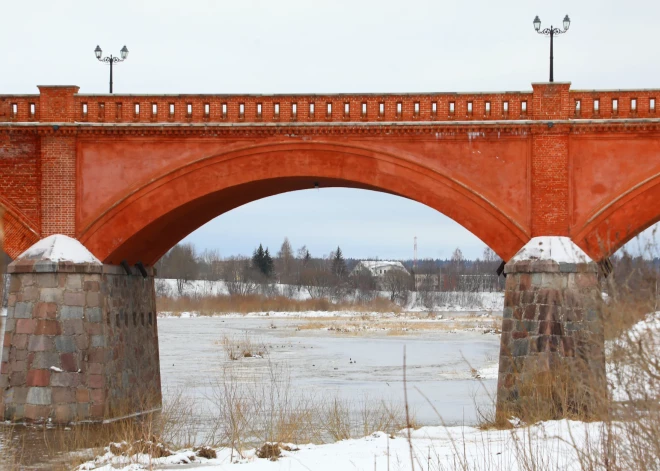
pixel 354 366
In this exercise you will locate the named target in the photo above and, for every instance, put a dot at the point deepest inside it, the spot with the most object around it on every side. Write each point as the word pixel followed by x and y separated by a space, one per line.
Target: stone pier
pixel 552 361
pixel 81 338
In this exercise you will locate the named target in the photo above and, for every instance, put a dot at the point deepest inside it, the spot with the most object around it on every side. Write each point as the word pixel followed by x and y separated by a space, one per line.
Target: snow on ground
pixel 559 249
pixel 59 248
pixel 457 301
pixel 434 448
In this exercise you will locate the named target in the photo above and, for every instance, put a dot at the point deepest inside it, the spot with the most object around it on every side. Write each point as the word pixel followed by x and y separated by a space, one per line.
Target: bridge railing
pixel 613 104
pixel 303 108
pixel 441 107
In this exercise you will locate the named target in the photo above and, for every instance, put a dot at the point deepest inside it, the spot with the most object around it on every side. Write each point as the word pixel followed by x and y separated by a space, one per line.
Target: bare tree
pixel 284 262
pixel 364 285
pixel 398 284
pixel 239 276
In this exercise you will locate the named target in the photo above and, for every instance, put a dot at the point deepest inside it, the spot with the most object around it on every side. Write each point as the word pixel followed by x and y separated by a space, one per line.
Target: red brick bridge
pixel 130 175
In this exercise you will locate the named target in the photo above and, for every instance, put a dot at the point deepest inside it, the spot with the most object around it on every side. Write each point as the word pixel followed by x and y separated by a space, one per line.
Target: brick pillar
pixel 80 343
pixel 551 357
pixel 57 104
pixel 58 184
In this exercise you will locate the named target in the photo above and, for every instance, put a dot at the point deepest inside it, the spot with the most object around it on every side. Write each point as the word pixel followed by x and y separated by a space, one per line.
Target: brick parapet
pixel 80 344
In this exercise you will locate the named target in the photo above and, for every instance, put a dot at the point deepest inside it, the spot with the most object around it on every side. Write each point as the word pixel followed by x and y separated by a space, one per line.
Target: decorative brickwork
pixel 552 359
pixel 81 343
pixel 58 185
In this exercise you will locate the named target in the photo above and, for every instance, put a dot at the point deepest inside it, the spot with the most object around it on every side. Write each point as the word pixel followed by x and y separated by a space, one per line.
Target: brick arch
pixel 18 235
pixel 621 219
pixel 154 217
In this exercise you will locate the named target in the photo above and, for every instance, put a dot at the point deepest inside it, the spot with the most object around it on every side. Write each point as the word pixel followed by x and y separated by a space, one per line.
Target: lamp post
pixel 551 32
pixel 111 59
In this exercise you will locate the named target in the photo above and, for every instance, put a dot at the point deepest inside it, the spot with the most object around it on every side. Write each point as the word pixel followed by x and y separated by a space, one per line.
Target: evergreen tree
pixel 339 264
pixel 267 264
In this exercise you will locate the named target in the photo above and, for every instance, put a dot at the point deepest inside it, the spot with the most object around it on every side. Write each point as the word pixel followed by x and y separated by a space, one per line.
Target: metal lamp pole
pixel 111 59
pixel 551 32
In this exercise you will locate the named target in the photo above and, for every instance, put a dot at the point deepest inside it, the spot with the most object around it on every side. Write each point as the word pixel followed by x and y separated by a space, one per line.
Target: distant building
pixel 379 268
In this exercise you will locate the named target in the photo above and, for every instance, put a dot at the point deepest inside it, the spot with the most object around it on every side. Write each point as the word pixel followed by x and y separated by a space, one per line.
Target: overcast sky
pixel 299 46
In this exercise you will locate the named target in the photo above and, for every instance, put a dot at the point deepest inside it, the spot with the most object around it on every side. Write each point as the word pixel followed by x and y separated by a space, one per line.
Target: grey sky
pixel 298 46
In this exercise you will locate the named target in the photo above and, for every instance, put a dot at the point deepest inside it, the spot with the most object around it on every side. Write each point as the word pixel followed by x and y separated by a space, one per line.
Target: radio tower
pixel 415 256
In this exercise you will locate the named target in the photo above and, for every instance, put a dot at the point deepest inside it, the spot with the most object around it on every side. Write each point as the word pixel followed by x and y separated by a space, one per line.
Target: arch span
pixel 621 219
pixel 152 218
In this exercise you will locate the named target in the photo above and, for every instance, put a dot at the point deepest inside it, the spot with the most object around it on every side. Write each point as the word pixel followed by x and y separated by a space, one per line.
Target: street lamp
pixel 551 31
pixel 111 59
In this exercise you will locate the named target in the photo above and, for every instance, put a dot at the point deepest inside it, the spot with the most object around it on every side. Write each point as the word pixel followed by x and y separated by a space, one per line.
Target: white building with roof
pixel 379 268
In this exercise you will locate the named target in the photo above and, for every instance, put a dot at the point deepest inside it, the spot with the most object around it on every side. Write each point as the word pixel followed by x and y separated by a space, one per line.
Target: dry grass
pixel 243 346
pixel 210 305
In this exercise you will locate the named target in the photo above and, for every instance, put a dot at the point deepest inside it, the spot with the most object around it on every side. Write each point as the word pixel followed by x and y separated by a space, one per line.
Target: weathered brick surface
pixel 66 359
pixel 551 326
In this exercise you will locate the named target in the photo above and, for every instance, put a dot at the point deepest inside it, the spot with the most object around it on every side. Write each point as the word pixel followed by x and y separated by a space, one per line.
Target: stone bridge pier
pixel 81 338
pixel 552 362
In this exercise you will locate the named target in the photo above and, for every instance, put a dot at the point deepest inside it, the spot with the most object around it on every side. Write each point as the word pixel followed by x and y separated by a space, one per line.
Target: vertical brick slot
pixel 652 105
pixel 469 108
pixel 294 111
pixel 84 111
pixel 615 106
pixel 137 111
pixel 452 108
pixel 381 110
pixel 276 111
pixel 14 110
pixel 328 113
pixel 241 111
pixel 416 110
pixel 101 111
pixel 311 111
pixel 364 110
pixel 487 108
pixel 347 110
pixel 633 105
pixel 505 109
pixel 172 108
pixel 596 106
pixel 259 111
pixel 189 110
pixel 154 110
pixel 399 109
pixel 523 108
pixel 578 107
pixel 434 109
pixel 224 111
pixel 32 110
pixel 207 112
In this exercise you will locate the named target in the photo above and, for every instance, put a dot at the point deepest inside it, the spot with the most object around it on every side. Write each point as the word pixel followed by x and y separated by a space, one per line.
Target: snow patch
pixel 556 248
pixel 59 248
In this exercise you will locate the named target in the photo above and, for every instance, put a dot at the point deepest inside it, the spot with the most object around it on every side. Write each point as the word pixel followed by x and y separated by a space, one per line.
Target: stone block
pixel 63 395
pixel 45 310
pixel 30 293
pixel 93 299
pixel 65 380
pixel 530 312
pixel 95 368
pixel 19 341
pixel 74 281
pixel 537 280
pixel 82 395
pixel 39 396
pixel 96 381
pixel 65 343
pixel 40 343
pixel 47 327
pixel 94 314
pixel 93 286
pixel 68 362
pixel 98 396
pixel 82 411
pixel 98 341
pixel 93 328
pixel 44 360
pixel 507 313
pixel 37 413
pixel 25 326
pixel 97 411
pixel 38 378
pixel 73 327
pixel 51 295
pixel 519 347
pixel 48 280
pixel 22 310
pixel 71 312
pixel 567 267
pixel 73 298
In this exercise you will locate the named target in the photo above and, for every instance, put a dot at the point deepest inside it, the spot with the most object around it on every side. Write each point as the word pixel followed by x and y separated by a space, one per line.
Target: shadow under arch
pixel 18 234
pixel 146 223
pixel 621 219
